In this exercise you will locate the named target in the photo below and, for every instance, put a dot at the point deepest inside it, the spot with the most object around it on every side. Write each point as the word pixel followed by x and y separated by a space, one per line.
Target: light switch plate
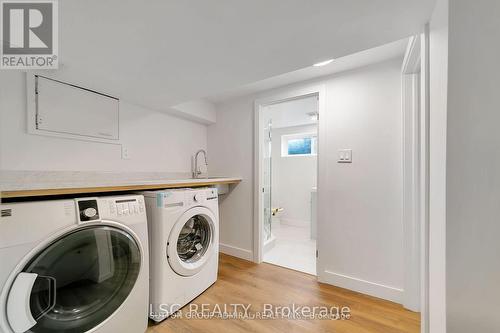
pixel 345 156
pixel 125 153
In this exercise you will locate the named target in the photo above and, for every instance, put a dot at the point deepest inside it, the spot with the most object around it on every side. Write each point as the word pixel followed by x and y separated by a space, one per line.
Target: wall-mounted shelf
pixel 25 187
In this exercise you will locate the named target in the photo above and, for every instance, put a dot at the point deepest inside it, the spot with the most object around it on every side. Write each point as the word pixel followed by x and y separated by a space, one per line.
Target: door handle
pixel 52 295
pixel 18 302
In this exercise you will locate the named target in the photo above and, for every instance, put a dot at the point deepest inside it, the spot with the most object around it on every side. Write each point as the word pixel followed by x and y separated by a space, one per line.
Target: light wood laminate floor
pixel 245 282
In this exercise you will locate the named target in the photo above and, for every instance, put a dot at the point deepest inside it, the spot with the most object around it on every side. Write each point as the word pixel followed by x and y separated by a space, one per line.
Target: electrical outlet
pixel 125 153
pixel 345 156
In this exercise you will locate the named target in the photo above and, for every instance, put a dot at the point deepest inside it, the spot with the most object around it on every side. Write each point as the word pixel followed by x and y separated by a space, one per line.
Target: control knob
pixel 90 212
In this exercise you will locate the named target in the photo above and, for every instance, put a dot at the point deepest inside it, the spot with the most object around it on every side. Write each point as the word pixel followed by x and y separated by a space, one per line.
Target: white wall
pixel 156 141
pixel 438 80
pixel 364 232
pixel 200 110
pixel 294 112
pixel 230 142
pixel 473 168
pixel 292 179
pixel 365 229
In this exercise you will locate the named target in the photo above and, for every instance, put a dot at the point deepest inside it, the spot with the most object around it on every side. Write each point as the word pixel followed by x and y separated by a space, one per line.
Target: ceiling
pixel 296 112
pixel 374 55
pixel 164 52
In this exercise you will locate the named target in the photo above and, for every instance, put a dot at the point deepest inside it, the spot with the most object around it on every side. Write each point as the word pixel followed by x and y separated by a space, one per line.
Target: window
pixel 299 146
pixel 302 144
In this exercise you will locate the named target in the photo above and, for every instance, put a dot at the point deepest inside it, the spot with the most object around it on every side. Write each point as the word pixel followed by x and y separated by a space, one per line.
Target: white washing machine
pixel 74 266
pixel 184 246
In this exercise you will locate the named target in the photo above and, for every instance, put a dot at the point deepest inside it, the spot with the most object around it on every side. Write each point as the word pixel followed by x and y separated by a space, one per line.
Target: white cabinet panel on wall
pixel 59 109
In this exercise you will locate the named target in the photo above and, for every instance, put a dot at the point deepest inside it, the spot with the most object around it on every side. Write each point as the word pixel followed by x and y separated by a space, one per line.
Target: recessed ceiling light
pixel 323 63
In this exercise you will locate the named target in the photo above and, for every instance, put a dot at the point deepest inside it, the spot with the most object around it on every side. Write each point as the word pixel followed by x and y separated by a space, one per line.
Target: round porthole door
pixel 191 241
pixel 76 282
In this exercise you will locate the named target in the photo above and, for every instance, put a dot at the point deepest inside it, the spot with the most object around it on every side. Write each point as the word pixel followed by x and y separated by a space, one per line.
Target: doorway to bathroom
pixel 288 168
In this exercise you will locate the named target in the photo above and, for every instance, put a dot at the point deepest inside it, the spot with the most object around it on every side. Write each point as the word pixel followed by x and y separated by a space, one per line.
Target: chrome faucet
pixel 196 169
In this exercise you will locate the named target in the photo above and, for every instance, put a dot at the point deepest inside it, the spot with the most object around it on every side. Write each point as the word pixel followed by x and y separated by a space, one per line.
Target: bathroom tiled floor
pixel 293 249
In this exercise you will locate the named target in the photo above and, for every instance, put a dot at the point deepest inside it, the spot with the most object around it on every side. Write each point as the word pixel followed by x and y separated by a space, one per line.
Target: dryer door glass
pixel 194 239
pixel 92 271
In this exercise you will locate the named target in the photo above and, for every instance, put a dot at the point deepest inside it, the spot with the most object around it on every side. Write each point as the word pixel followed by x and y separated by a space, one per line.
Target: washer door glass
pixel 93 270
pixel 194 239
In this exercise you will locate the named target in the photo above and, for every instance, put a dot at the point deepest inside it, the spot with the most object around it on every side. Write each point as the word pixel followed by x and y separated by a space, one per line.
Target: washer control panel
pixel 212 193
pixel 200 195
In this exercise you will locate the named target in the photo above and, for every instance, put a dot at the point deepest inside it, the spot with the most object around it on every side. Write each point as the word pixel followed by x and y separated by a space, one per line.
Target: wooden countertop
pixel 19 184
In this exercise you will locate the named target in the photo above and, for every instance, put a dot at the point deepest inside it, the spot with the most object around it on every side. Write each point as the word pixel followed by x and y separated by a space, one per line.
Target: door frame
pixel 411 114
pixel 280 97
pixel 415 115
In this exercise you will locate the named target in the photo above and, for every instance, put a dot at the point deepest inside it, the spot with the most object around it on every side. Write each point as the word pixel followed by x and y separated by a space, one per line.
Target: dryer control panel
pixel 120 207
pixel 126 206
pixel 87 210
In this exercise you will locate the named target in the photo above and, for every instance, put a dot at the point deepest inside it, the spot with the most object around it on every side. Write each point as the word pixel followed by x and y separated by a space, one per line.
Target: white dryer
pixel 74 266
pixel 184 246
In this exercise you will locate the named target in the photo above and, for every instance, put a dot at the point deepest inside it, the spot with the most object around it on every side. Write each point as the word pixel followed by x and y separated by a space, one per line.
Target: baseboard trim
pixel 236 252
pixel 269 244
pixel 362 286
